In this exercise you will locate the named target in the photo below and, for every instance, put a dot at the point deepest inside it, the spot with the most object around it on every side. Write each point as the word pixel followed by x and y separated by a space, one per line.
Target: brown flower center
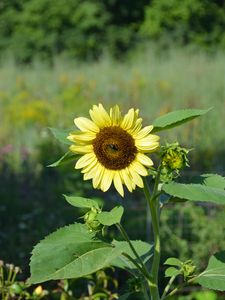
pixel 114 148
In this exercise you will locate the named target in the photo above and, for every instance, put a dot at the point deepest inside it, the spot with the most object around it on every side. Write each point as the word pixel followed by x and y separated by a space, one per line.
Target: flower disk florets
pixel 114 148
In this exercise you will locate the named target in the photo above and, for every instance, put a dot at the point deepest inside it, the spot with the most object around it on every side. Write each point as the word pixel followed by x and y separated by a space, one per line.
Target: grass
pixel 37 96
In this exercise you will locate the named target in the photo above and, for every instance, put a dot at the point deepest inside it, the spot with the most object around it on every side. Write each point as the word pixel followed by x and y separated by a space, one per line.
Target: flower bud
pixel 174 157
pixel 38 291
pixel 91 221
pixel 188 269
pixel 16 288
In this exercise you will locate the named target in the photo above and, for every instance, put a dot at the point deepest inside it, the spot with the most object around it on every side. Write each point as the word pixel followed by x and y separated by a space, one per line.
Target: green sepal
pixel 177 118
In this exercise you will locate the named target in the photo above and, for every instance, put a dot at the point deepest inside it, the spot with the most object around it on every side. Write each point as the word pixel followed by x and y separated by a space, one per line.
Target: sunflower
pixel 113 148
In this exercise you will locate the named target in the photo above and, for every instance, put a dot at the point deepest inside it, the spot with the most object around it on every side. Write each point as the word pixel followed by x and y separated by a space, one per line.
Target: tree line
pixel 84 29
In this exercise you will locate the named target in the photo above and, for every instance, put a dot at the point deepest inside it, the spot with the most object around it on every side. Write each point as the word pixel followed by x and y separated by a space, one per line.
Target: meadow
pixel 38 96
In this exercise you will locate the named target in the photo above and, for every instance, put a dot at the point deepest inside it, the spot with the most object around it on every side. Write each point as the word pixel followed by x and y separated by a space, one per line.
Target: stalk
pixel 154 210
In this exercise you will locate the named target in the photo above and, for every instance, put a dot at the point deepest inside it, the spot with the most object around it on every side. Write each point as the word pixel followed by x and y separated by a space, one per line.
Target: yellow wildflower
pixel 113 148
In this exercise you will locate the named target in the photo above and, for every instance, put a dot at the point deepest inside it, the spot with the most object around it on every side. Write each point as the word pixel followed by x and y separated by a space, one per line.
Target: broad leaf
pixel 81 202
pixel 195 192
pixel 112 217
pixel 171 271
pixel 143 249
pixel 70 252
pixel 172 261
pixel 68 156
pixel 61 135
pixel 214 275
pixel 213 180
pixel 177 118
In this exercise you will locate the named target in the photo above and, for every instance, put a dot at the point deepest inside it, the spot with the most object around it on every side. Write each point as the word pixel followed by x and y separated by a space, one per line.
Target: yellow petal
pixel 90 172
pixel 136 177
pixel 143 132
pixel 100 116
pixel 98 175
pixel 128 119
pixel 115 115
pixel 81 149
pixel 126 179
pixel 90 166
pixel 107 180
pixel 148 143
pixel 139 168
pixel 83 137
pixel 136 127
pixel 85 160
pixel 144 159
pixel 84 124
pixel 118 183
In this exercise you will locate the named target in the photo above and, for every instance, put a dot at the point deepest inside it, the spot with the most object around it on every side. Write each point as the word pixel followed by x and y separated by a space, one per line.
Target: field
pixel 38 96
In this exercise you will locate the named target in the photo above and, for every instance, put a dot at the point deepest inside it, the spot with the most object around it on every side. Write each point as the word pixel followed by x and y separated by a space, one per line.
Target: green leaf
pixel 172 261
pixel 61 135
pixel 171 271
pixel 81 202
pixel 70 252
pixel 112 217
pixel 214 275
pixel 213 180
pixel 176 118
pixel 195 192
pixel 143 249
pixel 65 158
pixel 125 296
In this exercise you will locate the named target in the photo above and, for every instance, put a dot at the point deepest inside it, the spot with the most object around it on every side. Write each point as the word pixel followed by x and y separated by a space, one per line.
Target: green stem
pixel 2 281
pixel 168 286
pixel 136 265
pixel 144 289
pixel 154 209
pixel 126 237
pixel 174 291
pixel 142 268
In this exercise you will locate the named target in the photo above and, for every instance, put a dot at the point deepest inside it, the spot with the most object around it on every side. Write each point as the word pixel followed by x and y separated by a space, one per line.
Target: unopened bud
pixel 91 221
pixel 17 270
pixel 174 157
pixel 10 266
pixel 188 269
pixel 38 291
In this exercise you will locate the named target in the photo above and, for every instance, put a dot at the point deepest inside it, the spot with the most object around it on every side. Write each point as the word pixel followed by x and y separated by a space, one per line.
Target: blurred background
pixel 57 58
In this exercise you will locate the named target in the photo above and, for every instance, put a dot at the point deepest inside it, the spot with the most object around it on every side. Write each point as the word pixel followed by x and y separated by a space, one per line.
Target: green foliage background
pixel 87 29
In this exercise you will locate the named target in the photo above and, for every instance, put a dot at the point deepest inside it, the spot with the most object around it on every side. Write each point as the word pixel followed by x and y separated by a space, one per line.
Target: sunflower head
pixel 113 148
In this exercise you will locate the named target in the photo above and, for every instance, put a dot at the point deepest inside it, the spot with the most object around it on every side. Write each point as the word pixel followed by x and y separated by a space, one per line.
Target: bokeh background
pixel 59 57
